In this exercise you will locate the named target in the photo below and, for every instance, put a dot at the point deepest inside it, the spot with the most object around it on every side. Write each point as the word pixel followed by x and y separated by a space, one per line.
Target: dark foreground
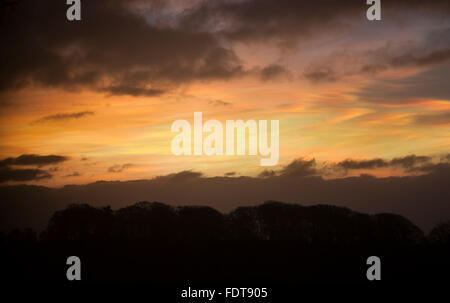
pixel 270 244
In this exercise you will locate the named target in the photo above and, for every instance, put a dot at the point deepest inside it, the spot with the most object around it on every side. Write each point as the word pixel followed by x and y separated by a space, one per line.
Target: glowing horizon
pixel 353 90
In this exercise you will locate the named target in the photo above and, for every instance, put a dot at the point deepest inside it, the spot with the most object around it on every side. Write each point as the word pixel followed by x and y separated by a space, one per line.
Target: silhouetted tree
pixel 273 241
pixel 440 235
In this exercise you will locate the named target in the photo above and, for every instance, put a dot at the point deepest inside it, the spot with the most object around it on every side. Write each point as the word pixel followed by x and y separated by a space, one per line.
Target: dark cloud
pixel 432 119
pixel 288 20
pixel 434 57
pixel 9 173
pixel 373 68
pixel 74 174
pixel 408 58
pixel 118 50
pixel 429 84
pixel 274 71
pixel 410 162
pixel 363 164
pixel 112 50
pixel 434 49
pixel 119 168
pixel 219 103
pixel 132 91
pixel 296 168
pixel 22 175
pixel 382 60
pixel 267 173
pixel 430 48
pixel 183 176
pixel 299 168
pixel 434 168
pixel 320 74
pixel 264 19
pixel 64 116
pixel 32 159
pixel 307 168
pixel 230 174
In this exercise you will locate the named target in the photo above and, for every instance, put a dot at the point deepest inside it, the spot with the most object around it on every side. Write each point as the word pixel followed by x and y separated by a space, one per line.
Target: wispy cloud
pixel 119 168
pixel 219 103
pixel 64 116
pixel 74 174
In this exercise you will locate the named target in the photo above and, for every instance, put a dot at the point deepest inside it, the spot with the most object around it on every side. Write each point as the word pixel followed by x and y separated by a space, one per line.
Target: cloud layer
pixel 10 172
pixel 146 48
pixel 297 182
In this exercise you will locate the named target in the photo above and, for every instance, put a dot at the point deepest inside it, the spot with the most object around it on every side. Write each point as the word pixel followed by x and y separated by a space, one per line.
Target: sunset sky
pixel 101 94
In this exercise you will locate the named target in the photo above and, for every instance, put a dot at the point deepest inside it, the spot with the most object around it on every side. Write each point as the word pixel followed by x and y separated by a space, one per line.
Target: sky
pixel 95 99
